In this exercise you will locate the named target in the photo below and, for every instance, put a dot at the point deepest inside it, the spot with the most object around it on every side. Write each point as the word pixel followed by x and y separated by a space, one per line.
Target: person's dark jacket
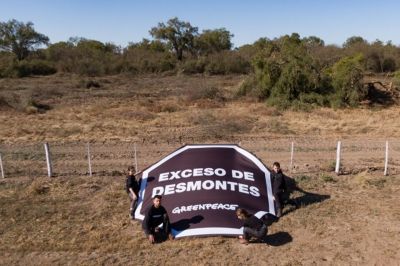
pixel 278 182
pixel 153 217
pixel 253 222
pixel 131 182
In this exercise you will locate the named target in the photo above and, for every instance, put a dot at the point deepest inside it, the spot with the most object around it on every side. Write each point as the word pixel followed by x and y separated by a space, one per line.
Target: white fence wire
pixel 111 158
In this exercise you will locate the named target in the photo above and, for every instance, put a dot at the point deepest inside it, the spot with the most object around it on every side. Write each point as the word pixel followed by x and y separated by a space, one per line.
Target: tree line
pixel 284 71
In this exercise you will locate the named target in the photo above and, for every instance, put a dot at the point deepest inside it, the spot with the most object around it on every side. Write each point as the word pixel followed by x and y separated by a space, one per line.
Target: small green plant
pixel 329 166
pixel 379 183
pixel 303 178
pixel 328 178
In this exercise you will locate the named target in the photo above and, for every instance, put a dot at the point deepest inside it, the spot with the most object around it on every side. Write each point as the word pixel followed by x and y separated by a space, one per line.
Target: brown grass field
pixel 76 219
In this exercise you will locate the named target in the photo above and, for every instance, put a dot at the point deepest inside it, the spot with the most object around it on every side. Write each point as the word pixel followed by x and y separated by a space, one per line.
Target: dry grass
pixel 159 104
pixel 79 220
pixel 83 220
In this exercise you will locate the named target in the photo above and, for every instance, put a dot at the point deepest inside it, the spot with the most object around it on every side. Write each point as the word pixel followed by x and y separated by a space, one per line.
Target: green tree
pixel 213 41
pixel 286 73
pixel 178 34
pixel 153 46
pixel 313 42
pixel 354 40
pixel 20 38
pixel 347 76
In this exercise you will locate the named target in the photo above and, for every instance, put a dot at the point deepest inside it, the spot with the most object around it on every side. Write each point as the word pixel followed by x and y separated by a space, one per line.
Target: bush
pixel 143 59
pixel 227 62
pixel 247 87
pixel 205 93
pixel 396 79
pixel 193 66
pixel 389 65
pixel 347 76
pixel 7 63
pixel 287 76
pixel 34 67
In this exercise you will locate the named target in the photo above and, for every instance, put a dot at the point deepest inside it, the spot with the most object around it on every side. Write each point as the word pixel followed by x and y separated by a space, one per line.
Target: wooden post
pixel 1 167
pixel 48 160
pixel 291 156
pixel 337 168
pixel 89 160
pixel 136 164
pixel 385 173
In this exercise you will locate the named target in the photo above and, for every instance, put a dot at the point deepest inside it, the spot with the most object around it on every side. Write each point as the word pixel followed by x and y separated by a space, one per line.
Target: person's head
pixel 157 201
pixel 242 213
pixel 131 170
pixel 276 167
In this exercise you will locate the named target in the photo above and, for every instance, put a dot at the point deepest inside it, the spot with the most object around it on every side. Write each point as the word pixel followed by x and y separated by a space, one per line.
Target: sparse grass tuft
pixel 303 178
pixel 38 187
pixel 376 182
pixel 328 166
pixel 328 178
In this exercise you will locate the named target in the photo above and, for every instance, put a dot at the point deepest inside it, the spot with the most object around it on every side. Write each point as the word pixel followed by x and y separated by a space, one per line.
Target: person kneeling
pixel 154 216
pixel 252 226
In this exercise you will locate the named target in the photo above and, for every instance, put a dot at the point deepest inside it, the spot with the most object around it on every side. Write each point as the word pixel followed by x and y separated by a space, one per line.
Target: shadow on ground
pixel 278 239
pixel 304 200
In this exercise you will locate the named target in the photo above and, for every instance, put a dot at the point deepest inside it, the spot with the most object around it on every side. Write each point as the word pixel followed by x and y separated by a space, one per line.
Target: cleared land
pixel 75 219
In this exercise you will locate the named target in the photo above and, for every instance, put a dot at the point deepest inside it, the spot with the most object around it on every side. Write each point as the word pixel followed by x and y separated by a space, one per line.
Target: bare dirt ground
pixel 353 219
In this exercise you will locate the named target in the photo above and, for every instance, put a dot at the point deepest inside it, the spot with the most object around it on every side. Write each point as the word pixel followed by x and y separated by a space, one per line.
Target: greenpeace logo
pixel 205 206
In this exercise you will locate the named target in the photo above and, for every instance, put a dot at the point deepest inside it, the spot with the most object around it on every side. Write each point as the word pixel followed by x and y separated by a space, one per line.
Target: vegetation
pixel 287 72
pixel 20 38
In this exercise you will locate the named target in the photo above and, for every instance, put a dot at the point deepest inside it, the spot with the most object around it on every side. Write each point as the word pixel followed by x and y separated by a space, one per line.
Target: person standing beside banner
pixel 278 187
pixel 132 188
pixel 153 217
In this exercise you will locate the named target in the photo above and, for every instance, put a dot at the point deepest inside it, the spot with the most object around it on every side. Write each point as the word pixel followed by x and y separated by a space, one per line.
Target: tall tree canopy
pixel 214 41
pixel 20 38
pixel 178 34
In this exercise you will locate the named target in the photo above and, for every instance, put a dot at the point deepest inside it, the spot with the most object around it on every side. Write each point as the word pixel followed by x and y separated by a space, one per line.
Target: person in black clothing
pixel 278 187
pixel 153 217
pixel 132 188
pixel 252 226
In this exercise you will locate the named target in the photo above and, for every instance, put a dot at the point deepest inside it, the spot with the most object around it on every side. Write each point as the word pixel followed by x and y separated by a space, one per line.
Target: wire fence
pixel 111 158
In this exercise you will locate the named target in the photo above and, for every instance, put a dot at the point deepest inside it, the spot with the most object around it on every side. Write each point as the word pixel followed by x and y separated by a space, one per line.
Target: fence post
pixel 48 160
pixel 291 156
pixel 337 168
pixel 385 173
pixel 89 160
pixel 1 167
pixel 136 164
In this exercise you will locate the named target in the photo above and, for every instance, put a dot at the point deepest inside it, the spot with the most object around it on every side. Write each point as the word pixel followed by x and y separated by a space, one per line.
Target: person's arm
pixel 146 222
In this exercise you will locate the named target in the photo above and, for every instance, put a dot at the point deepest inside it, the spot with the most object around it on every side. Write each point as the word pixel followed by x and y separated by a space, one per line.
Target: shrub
pixel 209 93
pixel 7 63
pixel 396 79
pixel 287 76
pixel 34 67
pixel 226 62
pixel 193 66
pixel 247 87
pixel 389 65
pixel 347 76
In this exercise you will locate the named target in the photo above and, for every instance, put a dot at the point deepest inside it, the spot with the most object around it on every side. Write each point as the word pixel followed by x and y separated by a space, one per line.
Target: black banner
pixel 202 185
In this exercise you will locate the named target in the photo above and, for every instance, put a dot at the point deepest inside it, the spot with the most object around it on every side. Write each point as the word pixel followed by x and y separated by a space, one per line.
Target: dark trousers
pixel 279 203
pixel 133 204
pixel 166 227
pixel 259 234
